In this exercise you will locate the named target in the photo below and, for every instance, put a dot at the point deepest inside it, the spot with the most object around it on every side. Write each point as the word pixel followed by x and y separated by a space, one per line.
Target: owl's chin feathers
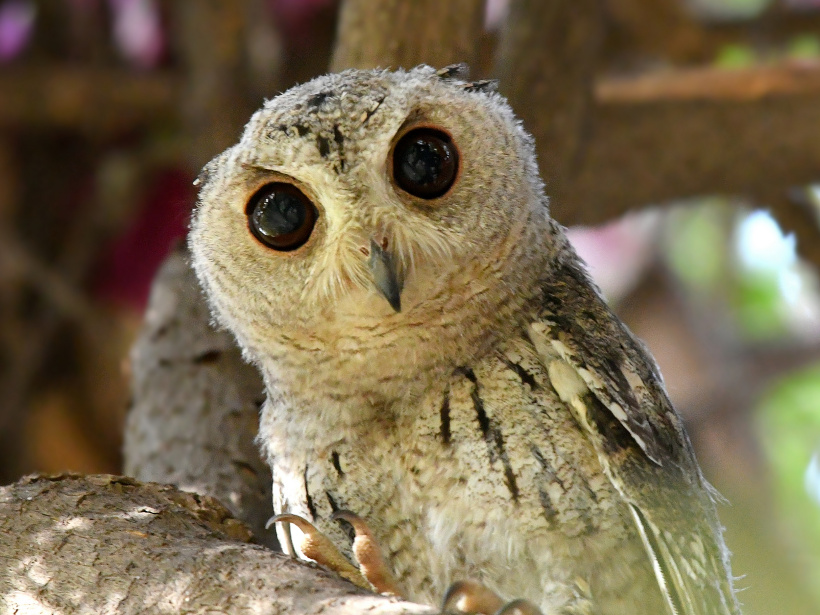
pixel 367 351
pixel 378 258
pixel 354 345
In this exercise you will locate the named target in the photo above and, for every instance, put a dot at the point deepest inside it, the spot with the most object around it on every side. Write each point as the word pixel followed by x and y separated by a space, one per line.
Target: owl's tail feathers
pixel 684 592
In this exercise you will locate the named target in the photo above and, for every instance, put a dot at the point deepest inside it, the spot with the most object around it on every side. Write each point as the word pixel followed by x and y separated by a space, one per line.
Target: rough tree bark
pixel 396 33
pixel 195 404
pixel 106 544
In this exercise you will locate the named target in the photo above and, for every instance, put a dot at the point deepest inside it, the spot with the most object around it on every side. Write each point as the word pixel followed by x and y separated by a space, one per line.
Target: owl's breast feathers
pixel 562 442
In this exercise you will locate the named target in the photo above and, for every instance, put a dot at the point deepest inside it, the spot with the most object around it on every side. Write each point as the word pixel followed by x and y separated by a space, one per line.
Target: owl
pixel 437 360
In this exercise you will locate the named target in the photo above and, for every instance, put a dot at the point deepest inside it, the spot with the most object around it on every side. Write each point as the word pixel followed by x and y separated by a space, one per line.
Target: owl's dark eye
pixel 281 216
pixel 425 163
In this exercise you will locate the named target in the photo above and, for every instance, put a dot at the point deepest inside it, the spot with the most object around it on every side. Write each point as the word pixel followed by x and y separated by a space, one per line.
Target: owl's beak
pixel 386 275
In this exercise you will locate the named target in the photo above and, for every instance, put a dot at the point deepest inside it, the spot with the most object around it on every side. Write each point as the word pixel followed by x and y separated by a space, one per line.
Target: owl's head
pixel 369 200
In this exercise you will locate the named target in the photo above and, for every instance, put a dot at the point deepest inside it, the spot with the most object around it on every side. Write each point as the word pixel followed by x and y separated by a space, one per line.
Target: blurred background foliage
pixel 108 109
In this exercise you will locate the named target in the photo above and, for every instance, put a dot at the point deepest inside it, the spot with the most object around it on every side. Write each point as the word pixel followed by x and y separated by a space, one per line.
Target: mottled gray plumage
pixel 504 426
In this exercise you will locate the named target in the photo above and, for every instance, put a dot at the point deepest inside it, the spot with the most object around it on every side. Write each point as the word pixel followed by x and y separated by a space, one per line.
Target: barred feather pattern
pixel 488 477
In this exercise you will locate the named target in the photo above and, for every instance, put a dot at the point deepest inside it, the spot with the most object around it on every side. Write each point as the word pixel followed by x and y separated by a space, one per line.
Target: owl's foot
pixel 321 549
pixel 372 572
pixel 369 555
pixel 473 597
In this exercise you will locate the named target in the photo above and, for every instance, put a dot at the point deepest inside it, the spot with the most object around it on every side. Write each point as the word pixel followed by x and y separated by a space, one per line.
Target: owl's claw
pixel 372 572
pixel 369 555
pixel 321 549
pixel 473 597
pixel 519 607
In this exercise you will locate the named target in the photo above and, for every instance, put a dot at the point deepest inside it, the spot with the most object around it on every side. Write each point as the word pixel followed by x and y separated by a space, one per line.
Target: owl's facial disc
pixel 303 218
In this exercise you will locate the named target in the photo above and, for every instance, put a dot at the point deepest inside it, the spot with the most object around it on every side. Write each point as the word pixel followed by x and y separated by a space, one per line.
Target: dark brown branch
pixel 688 141
pixel 92 100
pixel 396 33
pixel 216 98
pixel 546 61
pixel 20 263
pixel 712 84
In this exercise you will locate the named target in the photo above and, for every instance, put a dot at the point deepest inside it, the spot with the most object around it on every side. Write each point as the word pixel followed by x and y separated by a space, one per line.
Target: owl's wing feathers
pixel 615 392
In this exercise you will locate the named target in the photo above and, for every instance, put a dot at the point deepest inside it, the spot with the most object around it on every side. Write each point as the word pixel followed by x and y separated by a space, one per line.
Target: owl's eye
pixel 281 216
pixel 425 163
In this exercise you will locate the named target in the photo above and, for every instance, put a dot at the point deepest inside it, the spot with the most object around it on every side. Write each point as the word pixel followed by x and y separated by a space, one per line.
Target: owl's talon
pixel 369 555
pixel 321 549
pixel 519 607
pixel 471 597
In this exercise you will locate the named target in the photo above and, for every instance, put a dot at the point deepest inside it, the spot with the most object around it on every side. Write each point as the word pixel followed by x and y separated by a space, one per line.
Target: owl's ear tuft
pixel 211 169
pixel 458 71
pixel 317 100
pixel 204 174
pixel 461 72
pixel 483 85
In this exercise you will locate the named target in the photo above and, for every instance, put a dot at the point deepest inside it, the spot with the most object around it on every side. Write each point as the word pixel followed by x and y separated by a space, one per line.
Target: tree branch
pixel 396 33
pixel 196 403
pixel 546 61
pixel 101 544
pixel 216 99
pixel 712 84
pixel 91 100
pixel 695 139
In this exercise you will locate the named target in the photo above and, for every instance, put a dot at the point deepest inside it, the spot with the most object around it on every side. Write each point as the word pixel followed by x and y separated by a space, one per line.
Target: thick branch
pixel 546 62
pixel 396 33
pixel 669 29
pixel 709 83
pixel 195 403
pixel 689 140
pixel 216 100
pixel 103 544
